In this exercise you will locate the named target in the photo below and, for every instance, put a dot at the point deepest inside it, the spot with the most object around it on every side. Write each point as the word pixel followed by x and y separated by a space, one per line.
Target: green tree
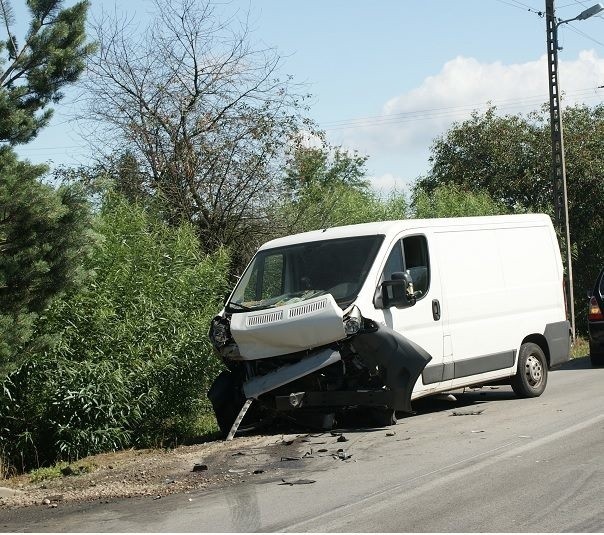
pixel 327 186
pixel 41 230
pixel 43 235
pixel 509 158
pixel 36 67
pixel 451 200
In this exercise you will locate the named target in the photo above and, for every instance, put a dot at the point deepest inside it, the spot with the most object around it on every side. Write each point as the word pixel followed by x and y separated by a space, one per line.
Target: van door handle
pixel 435 309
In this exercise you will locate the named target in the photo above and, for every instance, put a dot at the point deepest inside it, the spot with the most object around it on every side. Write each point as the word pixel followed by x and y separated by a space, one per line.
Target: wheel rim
pixel 534 370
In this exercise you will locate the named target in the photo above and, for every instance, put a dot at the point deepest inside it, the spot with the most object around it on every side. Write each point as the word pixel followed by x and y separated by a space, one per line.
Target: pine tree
pixel 42 229
pixel 52 55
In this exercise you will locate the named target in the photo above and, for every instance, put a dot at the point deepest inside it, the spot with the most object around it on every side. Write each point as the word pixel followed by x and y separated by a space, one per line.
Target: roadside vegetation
pixel 110 276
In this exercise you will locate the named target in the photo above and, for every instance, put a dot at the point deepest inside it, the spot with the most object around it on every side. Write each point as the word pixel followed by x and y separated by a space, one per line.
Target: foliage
pixel 200 117
pixel 43 237
pixel 509 157
pixel 53 53
pixel 327 187
pixel 454 201
pixel 42 231
pixel 503 156
pixel 48 472
pixel 128 362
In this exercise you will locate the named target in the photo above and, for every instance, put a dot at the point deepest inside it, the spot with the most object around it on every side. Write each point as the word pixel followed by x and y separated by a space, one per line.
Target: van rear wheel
pixel 531 377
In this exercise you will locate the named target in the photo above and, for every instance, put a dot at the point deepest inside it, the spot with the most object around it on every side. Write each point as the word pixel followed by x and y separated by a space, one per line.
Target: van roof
pixel 394 227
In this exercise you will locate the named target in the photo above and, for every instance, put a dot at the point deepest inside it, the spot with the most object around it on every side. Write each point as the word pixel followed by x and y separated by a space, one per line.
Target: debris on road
pixel 390 433
pixel 297 482
pixel 342 438
pixel 198 467
pixel 341 454
pixel 290 459
pixel 467 413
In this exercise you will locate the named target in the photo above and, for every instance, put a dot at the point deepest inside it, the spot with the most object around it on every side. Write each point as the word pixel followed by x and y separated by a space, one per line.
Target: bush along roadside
pixel 125 360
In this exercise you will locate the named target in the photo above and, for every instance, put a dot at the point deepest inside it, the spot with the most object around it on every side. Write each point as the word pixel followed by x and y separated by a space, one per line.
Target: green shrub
pixel 125 361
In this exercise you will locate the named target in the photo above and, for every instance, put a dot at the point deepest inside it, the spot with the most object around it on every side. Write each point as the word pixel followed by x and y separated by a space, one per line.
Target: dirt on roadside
pixel 158 473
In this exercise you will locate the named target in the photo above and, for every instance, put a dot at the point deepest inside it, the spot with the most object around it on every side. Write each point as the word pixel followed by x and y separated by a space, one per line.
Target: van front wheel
pixel 531 376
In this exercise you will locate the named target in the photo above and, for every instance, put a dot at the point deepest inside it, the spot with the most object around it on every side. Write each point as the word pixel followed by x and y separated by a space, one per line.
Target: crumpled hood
pixel 289 328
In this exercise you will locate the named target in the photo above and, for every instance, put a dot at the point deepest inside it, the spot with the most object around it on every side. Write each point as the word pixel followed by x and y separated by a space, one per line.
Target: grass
pixel 61 469
pixel 47 473
pixel 580 348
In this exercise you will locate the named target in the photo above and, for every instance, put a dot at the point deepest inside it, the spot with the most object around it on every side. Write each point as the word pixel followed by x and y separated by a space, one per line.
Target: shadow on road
pixel 467 400
pixel 582 363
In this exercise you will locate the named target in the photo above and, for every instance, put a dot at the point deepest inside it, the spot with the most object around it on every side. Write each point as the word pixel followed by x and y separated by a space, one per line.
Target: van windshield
pixel 299 272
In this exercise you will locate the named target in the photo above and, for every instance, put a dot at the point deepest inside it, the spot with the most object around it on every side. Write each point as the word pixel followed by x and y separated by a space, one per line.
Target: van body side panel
pixel 499 284
pixel 558 340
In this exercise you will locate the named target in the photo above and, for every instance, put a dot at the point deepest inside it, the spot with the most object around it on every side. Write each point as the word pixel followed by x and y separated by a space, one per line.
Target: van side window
pixel 410 254
pixel 416 262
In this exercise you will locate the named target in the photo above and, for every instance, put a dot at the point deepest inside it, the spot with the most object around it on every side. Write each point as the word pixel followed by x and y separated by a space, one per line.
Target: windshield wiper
pixel 238 306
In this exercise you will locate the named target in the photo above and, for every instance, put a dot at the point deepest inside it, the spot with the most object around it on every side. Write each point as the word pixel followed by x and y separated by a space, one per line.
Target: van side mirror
pixel 398 291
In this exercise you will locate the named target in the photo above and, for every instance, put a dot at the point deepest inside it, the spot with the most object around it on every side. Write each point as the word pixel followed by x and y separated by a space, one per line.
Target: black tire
pixel 531 377
pixel 227 400
pixel 383 417
pixel 596 354
pixel 226 395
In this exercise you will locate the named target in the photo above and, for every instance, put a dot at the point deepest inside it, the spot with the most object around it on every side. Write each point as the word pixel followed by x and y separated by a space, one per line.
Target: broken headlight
pixel 353 321
pixel 220 332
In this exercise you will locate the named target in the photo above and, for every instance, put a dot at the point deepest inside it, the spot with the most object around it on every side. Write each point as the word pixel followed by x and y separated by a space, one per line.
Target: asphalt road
pixel 520 465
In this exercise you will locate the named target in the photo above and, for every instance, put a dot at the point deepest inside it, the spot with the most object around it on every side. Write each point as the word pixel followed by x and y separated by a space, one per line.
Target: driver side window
pixel 411 255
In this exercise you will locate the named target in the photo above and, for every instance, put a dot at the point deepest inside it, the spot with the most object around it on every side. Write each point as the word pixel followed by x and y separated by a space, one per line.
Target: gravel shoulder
pixel 157 473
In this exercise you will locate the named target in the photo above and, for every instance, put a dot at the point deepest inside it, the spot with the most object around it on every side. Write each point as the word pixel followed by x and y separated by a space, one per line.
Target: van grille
pixel 307 308
pixel 262 319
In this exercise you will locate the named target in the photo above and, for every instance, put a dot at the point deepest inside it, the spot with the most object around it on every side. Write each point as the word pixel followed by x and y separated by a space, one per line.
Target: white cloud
pixel 386 183
pixel 412 120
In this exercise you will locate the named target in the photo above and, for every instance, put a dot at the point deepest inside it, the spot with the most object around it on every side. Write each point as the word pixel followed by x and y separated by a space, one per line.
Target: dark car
pixel 595 321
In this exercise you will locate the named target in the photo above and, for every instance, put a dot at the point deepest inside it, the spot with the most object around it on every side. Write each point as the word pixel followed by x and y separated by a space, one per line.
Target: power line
pixel 446 111
pixel 579 32
pixel 520 5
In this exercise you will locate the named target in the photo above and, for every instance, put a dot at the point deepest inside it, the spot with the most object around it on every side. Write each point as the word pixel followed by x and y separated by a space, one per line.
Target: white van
pixel 378 314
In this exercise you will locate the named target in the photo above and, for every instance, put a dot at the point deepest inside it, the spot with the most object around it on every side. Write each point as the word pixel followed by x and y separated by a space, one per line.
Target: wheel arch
pixel 541 341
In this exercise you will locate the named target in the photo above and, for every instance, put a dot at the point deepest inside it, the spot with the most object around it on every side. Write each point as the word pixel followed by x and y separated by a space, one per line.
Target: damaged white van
pixel 375 315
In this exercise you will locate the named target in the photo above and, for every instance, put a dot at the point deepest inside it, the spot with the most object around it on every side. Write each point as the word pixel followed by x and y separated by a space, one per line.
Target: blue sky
pixel 388 76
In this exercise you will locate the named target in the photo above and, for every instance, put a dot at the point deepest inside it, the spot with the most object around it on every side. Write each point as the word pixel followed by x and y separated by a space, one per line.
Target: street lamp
pixel 558 164
pixel 589 12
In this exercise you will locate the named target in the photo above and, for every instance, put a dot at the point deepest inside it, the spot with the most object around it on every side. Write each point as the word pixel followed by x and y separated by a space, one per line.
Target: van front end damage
pixel 310 360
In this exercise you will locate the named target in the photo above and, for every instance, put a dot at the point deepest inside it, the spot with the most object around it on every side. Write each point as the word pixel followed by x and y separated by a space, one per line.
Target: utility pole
pixel 558 163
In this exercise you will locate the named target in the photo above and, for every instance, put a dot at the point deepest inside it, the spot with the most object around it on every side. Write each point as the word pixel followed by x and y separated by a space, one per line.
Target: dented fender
pixel 402 360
